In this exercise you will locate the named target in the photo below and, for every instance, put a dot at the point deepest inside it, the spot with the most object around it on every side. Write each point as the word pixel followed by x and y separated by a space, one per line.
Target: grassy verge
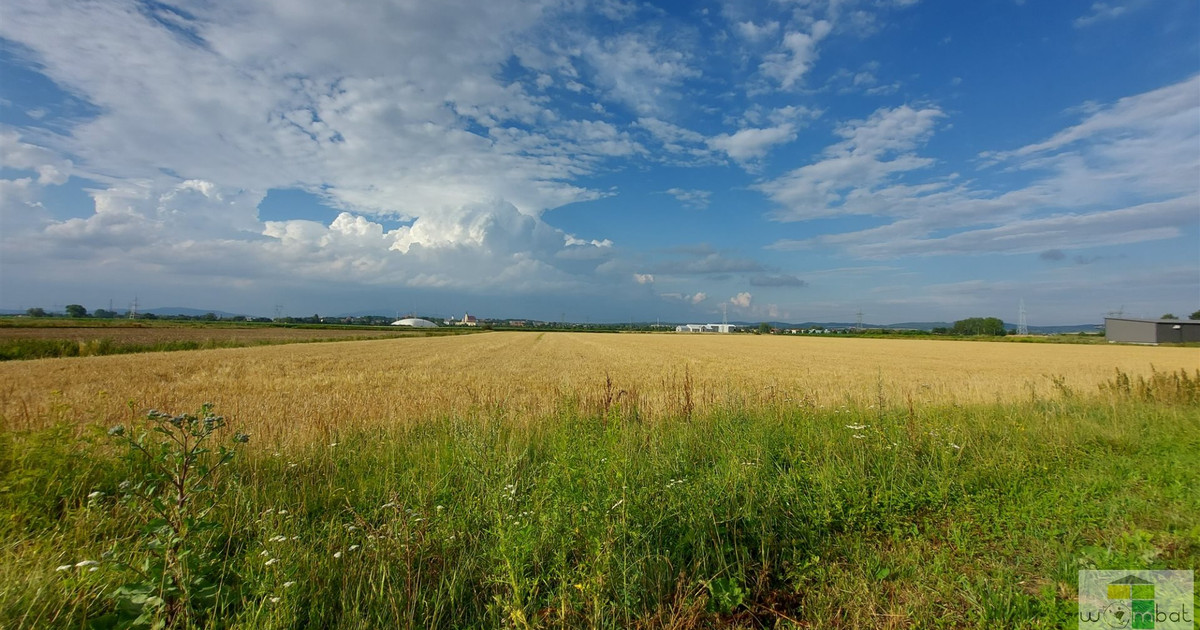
pixel 791 517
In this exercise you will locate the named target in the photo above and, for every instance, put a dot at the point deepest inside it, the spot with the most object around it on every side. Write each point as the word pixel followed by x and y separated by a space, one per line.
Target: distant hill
pixel 190 312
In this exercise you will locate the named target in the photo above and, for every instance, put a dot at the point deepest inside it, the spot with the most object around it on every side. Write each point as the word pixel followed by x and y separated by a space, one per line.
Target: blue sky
pixel 604 161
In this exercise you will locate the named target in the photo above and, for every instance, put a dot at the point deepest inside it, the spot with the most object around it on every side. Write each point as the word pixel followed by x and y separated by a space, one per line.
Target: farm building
pixel 1152 331
pixel 414 322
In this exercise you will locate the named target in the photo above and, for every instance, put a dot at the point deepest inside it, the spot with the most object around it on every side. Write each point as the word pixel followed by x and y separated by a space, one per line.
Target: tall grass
pixel 780 516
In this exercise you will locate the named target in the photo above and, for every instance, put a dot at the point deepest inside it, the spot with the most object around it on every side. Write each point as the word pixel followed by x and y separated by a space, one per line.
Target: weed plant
pixel 863 516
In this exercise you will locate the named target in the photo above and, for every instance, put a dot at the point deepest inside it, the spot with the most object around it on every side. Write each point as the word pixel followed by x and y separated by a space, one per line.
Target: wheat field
pixel 295 393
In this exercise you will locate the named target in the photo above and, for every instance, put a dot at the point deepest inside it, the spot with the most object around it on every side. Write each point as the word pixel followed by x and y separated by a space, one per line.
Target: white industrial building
pixel 705 328
pixel 414 322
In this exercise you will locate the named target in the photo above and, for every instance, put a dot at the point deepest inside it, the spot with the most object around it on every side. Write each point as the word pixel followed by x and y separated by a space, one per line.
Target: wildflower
pixel 440 508
pixel 91 569
pixel 353 547
pixel 955 446
pixel 274 600
pixel 859 436
pixel 333 444
pixel 281 512
pixel 65 567
pixel 270 562
pixel 96 495
pixel 388 505
pixel 85 563
pixel 337 554
pixel 279 538
pixel 241 438
pixel 856 427
pixel 288 584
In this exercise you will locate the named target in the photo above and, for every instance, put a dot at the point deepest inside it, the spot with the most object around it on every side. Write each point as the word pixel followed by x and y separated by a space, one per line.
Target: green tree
pixel 75 310
pixel 764 329
pixel 979 326
pixel 1168 316
pixel 36 312
pixel 1195 315
pixel 104 313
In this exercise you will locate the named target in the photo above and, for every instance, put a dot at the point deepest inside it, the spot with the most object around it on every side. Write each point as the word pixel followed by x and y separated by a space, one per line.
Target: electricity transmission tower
pixel 1022 325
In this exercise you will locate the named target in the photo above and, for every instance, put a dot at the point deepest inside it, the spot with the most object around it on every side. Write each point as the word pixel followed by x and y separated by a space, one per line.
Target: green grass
pixel 938 517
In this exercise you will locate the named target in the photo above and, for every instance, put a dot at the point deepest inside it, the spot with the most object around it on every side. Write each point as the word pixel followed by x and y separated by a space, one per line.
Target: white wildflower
pixel 955 446
pixel 85 563
pixel 337 554
pixel 353 547
pixel 288 584
pixel 96 495
pixel 65 567
pixel 270 562
pixel 274 600
pixel 333 444
pixel 859 436
pixel 856 427
pixel 264 552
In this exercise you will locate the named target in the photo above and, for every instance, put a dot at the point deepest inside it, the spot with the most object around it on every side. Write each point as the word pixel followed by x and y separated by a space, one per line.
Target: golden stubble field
pixel 285 394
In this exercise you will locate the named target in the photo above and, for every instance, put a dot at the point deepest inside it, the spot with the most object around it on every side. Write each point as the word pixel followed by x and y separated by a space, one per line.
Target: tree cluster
pixel 979 326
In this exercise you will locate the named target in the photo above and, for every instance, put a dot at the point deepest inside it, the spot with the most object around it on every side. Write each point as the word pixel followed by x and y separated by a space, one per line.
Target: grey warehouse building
pixel 1155 331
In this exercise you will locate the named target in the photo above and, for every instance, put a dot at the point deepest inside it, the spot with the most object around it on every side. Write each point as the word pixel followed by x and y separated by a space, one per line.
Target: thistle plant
pixel 179 487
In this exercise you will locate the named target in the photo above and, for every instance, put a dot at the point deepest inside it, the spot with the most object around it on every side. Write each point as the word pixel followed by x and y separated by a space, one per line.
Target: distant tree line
pixel 973 326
